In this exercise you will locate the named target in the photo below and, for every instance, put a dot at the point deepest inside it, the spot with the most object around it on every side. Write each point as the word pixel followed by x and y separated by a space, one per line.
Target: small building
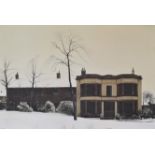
pixel 35 97
pixel 108 95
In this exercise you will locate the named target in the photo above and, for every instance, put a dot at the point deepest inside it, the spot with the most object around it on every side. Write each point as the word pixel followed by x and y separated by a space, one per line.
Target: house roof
pixel 37 88
pixel 107 77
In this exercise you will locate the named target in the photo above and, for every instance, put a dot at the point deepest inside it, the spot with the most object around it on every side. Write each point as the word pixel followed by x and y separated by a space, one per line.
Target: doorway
pixel 109 109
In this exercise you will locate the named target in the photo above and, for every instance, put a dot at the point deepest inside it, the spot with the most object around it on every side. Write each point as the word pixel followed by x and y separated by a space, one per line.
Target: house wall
pixel 112 82
pixel 40 96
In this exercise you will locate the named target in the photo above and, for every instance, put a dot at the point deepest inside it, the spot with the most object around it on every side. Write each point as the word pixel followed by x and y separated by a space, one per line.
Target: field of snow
pixel 37 120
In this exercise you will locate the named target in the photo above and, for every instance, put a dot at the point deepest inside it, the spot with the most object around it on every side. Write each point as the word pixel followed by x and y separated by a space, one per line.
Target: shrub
pixel 147 113
pixel 135 116
pixel 2 105
pixel 65 107
pixel 48 107
pixel 102 116
pixel 118 116
pixel 23 106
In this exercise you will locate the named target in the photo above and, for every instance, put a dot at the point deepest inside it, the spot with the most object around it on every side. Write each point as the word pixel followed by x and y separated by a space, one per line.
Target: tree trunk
pixel 6 87
pixel 32 91
pixel 71 88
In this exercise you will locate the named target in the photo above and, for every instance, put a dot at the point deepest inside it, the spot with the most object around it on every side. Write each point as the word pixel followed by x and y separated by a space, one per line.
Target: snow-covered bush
pixel 118 116
pixel 147 113
pixel 48 107
pixel 65 107
pixel 23 106
pixel 135 116
pixel 102 116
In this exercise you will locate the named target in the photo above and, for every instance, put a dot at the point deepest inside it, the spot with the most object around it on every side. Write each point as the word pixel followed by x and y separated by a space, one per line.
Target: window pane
pixel 83 107
pixel 127 89
pixel 127 107
pixel 98 107
pixel 90 89
pixel 109 90
pixel 90 107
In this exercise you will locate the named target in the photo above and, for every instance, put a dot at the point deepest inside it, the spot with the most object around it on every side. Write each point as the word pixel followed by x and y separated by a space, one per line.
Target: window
pixel 127 107
pixel 90 89
pixel 90 108
pixel 98 108
pixel 83 107
pixel 127 89
pixel 109 91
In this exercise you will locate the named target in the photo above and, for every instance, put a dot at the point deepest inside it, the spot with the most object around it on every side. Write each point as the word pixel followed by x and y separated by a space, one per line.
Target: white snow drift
pixel 39 120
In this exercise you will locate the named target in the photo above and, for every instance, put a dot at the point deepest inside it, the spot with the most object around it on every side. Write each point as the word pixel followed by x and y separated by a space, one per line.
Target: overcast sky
pixel 108 50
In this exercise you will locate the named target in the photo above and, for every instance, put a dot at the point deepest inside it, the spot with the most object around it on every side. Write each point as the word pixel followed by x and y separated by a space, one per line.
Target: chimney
pixel 83 71
pixel 133 71
pixel 59 75
pixel 17 76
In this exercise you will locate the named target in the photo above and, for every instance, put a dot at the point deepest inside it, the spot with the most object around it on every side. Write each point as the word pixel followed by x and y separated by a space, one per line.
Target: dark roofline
pixel 40 88
pixel 108 77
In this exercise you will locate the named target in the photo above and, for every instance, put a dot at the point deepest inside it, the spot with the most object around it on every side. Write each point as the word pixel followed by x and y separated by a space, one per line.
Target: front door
pixel 109 109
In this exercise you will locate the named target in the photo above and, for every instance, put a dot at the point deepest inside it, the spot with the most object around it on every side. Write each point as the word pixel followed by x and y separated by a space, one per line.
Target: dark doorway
pixel 109 110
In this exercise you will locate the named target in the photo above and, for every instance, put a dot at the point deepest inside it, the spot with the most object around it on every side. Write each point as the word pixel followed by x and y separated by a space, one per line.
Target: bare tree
pixel 33 77
pixel 34 74
pixel 148 97
pixel 7 75
pixel 67 49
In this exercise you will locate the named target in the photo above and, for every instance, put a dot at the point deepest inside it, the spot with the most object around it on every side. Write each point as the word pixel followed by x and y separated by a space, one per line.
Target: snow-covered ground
pixel 37 120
